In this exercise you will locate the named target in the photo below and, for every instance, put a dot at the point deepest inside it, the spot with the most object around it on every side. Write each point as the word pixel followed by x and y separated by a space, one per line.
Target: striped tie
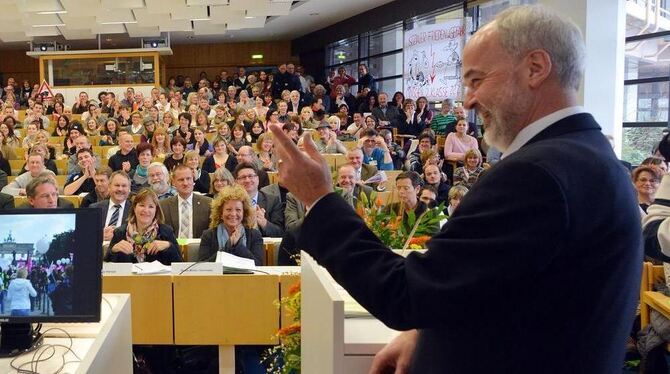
pixel 185 221
pixel 115 216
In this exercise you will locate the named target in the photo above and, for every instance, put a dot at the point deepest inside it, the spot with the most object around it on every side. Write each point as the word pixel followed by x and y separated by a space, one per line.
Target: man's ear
pixel 538 64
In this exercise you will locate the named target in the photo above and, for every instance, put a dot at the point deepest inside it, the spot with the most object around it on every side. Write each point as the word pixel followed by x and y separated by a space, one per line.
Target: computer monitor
pixel 50 267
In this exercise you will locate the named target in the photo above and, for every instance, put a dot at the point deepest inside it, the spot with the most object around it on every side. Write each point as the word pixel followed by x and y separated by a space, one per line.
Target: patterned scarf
pixel 141 241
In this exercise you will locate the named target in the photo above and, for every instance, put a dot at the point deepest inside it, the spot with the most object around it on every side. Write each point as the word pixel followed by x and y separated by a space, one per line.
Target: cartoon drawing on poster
pixel 433 61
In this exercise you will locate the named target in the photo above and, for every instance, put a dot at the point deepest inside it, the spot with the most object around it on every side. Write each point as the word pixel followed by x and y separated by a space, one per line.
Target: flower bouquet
pixel 285 357
pixel 389 227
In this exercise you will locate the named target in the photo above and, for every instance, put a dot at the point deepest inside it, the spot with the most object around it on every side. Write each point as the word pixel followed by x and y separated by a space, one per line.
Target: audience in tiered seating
pixel 213 125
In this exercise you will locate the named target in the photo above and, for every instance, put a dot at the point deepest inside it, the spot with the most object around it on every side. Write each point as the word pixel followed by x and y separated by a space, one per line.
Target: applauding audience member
pixel 231 228
pixel 101 191
pixel 269 217
pixel 83 182
pixel 126 157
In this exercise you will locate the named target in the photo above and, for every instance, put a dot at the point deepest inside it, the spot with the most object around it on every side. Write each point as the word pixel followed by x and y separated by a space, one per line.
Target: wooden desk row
pixel 222 310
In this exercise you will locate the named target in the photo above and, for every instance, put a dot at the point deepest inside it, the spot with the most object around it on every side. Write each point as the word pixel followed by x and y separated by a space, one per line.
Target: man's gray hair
pixel 161 166
pixel 42 178
pixel 523 29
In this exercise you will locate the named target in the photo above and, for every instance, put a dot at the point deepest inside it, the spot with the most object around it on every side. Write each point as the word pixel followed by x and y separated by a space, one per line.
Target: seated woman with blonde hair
pixel 218 180
pixel 468 174
pixel 231 227
pixel 145 238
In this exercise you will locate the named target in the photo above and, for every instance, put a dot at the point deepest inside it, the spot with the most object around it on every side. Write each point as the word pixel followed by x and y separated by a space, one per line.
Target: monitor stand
pixel 18 338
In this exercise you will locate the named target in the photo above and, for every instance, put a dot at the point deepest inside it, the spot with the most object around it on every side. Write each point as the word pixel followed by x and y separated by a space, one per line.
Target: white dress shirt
pixel 110 211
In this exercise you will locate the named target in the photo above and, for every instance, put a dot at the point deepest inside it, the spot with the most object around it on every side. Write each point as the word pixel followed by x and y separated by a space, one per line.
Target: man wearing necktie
pixel 269 213
pixel 187 213
pixel 117 206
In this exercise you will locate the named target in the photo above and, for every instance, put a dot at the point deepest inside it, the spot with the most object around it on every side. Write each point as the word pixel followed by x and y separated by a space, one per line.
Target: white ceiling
pixel 122 23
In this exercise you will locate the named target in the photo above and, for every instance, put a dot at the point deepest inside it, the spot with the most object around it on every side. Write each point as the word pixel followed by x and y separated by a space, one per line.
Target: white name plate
pixel 209 268
pixel 117 268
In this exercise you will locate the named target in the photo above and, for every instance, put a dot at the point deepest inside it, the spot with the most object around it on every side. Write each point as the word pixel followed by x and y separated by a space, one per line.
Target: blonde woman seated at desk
pixel 231 227
pixel 144 238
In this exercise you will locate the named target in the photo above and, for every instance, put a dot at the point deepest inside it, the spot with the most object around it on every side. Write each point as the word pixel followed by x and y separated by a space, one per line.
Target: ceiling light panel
pixel 174 26
pixel 279 9
pixel 190 12
pixel 40 19
pixel 223 14
pixel 144 18
pixel 78 23
pixel 109 29
pixel 135 31
pixel 246 4
pixel 208 28
pixel 34 6
pixel 246 23
pixel 9 12
pixel 43 31
pixel 115 15
pixel 77 34
pixel 81 8
pixel 9 37
pixel 122 4
pixel 206 2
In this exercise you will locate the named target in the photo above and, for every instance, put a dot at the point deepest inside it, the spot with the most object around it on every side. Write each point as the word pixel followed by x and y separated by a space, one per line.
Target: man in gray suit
pixel 362 171
pixel 269 213
pixel 115 209
pixel 187 213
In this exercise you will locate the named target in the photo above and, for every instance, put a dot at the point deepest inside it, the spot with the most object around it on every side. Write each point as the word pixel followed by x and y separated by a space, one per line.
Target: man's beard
pixel 159 187
pixel 504 121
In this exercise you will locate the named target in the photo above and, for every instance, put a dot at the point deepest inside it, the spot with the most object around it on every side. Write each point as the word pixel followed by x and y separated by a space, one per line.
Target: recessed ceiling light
pixel 248 17
pixel 53 12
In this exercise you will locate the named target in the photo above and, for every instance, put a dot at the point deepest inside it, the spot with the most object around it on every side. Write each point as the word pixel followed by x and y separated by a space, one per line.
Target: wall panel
pixel 15 63
pixel 191 59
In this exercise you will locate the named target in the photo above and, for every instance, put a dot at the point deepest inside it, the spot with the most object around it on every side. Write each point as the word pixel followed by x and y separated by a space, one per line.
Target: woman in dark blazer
pixel 231 227
pixel 144 238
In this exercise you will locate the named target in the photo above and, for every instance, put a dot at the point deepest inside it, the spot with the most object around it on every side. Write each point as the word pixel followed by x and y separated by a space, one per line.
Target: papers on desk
pixel 235 262
pixel 154 267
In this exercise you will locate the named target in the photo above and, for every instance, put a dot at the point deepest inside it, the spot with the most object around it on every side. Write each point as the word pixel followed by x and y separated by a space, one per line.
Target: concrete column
pixel 603 24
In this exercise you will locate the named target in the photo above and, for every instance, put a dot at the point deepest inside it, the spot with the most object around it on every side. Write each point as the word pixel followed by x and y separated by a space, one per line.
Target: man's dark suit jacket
pixel 6 201
pixel 537 271
pixel 391 114
pixel 200 213
pixel 273 213
pixel 104 206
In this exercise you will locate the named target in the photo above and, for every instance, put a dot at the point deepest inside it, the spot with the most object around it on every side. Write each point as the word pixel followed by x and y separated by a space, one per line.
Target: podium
pixel 331 343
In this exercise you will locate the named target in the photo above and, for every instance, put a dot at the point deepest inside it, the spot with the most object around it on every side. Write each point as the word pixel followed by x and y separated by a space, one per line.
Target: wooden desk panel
pixel 225 310
pixel 151 305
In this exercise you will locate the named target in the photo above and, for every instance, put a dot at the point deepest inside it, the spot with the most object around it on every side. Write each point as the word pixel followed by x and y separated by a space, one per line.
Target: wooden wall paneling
pixel 15 63
pixel 191 59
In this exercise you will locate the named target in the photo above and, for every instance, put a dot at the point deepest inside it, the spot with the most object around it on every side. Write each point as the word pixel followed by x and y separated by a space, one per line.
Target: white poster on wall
pixel 432 60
